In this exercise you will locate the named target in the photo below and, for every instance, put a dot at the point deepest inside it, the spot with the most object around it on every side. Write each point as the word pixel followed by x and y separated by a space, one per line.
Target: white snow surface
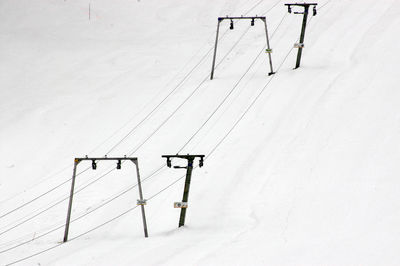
pixel 308 176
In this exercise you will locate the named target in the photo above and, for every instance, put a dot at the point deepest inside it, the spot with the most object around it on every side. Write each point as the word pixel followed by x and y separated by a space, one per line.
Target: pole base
pixel 271 73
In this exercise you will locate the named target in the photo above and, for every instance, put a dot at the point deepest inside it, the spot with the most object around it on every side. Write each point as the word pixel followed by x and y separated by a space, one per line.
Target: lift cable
pixel 259 2
pixel 163 100
pixel 41 195
pixel 56 203
pixel 184 101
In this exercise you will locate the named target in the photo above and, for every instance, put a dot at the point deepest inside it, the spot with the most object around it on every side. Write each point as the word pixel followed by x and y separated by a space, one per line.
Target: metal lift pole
pixel 303 32
pixel 215 50
pixel 141 197
pixel 269 49
pixel 186 190
pixel 141 201
pixel 220 19
pixel 76 162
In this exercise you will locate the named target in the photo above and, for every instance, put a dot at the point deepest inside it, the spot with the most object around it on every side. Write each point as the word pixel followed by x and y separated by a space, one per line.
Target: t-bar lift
pixel 306 7
pixel 190 158
pixel 94 160
pixel 268 50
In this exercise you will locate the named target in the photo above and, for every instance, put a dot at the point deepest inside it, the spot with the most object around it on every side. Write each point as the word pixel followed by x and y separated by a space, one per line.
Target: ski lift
pixel 314 11
pixel 169 164
pixel 252 22
pixel 231 27
pixel 119 164
pixel 289 9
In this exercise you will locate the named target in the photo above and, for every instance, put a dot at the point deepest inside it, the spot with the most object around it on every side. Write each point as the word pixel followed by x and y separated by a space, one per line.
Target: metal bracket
pixel 298 45
pixel 141 202
pixel 180 205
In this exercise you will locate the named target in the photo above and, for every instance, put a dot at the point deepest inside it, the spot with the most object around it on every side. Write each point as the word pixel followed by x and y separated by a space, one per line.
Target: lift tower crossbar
pixel 94 160
pixel 189 169
pixel 306 7
pixel 268 50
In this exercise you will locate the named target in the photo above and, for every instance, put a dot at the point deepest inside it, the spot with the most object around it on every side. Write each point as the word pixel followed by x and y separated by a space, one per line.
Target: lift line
pixel 252 20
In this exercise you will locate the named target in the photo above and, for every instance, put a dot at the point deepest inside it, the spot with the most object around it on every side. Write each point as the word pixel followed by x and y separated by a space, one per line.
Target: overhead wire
pixel 56 203
pixel 163 100
pixel 184 101
pixel 154 98
pixel 40 196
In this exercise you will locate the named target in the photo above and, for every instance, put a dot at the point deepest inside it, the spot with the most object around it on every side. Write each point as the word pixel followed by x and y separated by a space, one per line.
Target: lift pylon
pixel 94 160
pixel 189 168
pixel 252 19
pixel 306 7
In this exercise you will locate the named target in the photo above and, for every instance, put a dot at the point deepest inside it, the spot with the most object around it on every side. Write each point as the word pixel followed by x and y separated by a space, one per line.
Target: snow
pixel 308 176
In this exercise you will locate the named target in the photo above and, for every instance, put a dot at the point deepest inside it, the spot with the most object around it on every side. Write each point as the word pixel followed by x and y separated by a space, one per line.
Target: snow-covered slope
pixel 302 167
